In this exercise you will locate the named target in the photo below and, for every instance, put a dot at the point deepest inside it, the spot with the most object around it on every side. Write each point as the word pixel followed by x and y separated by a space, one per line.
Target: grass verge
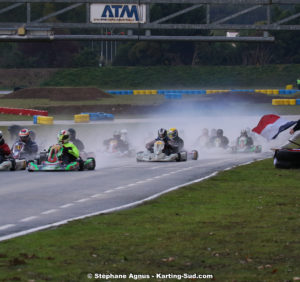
pixel 177 77
pixel 242 225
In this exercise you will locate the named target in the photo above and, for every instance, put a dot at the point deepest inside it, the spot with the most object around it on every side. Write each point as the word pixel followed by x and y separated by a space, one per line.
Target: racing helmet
pixel 162 133
pixel 117 134
pixel 63 136
pixel 244 133
pixel 205 131
pixel 24 135
pixel 72 132
pixel 172 133
pixel 219 132
pixel 124 131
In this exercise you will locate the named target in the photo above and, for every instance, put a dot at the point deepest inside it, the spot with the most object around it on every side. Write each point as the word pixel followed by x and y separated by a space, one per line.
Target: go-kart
pixel 242 147
pixel 12 164
pixel 113 150
pixel 54 162
pixel 157 155
pixel 217 144
pixel 16 161
pixel 19 154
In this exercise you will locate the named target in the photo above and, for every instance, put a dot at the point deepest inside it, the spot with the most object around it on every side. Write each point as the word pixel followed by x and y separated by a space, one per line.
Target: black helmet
pixel 219 132
pixel 72 132
pixel 117 134
pixel 244 133
pixel 162 133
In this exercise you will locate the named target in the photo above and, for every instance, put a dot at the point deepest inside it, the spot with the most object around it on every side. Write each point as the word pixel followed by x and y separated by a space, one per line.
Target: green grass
pixel 242 225
pixel 116 99
pixel 216 77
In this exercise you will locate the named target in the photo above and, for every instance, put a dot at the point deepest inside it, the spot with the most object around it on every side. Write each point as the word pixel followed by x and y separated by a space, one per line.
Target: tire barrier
pixel 99 116
pixel 201 91
pixel 216 91
pixel 22 112
pixel 267 91
pixel 188 92
pixel 144 92
pixel 43 120
pixel 81 118
pixel 169 96
pixel 120 92
pixel 285 102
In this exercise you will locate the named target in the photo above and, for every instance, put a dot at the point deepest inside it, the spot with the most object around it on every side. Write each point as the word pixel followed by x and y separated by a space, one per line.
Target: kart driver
pixel 175 141
pixel 162 136
pixel 293 143
pixel 30 147
pixel 244 136
pixel 203 139
pixel 120 145
pixel 219 140
pixel 78 143
pixel 70 152
pixel 4 149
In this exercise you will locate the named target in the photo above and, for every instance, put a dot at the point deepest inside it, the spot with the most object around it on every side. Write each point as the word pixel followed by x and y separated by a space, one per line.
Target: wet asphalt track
pixel 31 201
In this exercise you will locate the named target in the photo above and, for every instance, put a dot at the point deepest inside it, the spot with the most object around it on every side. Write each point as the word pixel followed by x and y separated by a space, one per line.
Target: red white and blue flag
pixel 270 126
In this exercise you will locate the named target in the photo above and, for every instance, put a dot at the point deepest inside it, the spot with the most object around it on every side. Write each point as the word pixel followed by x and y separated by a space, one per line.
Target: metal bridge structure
pixel 46 20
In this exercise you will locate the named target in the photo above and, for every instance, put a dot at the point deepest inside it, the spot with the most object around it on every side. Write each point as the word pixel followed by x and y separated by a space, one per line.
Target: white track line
pixel 3 227
pixel 67 205
pixel 49 211
pixel 28 218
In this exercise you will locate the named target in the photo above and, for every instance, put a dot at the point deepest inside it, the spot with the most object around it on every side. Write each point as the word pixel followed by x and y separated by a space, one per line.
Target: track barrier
pixel 99 116
pixel 22 112
pixel 43 120
pixel 171 92
pixel 81 118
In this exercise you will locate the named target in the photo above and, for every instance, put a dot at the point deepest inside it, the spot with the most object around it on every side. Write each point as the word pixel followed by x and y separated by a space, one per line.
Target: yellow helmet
pixel 172 133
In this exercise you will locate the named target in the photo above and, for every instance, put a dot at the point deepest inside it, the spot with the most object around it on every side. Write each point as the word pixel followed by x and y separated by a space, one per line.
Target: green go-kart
pixel 52 161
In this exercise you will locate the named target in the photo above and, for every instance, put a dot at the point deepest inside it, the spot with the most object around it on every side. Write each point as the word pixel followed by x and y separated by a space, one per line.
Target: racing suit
pixel 70 153
pixel 78 143
pixel 30 148
pixel 249 141
pixel 176 145
pixel 295 141
pixel 219 141
pixel 167 149
pixel 4 151
pixel 120 146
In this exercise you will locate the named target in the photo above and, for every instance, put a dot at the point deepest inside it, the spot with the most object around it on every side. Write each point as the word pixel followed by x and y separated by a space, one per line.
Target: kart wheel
pixel 93 164
pixel 81 165
pixel 13 165
pixel 195 155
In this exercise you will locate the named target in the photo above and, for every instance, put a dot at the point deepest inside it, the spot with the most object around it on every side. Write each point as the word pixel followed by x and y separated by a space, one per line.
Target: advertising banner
pixel 117 13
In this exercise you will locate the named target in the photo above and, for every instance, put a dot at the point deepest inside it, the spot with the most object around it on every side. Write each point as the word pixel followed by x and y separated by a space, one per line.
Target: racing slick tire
pixel 92 167
pixel 194 155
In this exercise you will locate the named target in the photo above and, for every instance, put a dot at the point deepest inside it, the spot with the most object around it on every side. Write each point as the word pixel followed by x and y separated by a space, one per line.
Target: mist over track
pixel 39 200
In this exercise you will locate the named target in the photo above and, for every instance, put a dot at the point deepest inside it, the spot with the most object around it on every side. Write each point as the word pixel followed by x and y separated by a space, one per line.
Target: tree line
pixel 285 49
